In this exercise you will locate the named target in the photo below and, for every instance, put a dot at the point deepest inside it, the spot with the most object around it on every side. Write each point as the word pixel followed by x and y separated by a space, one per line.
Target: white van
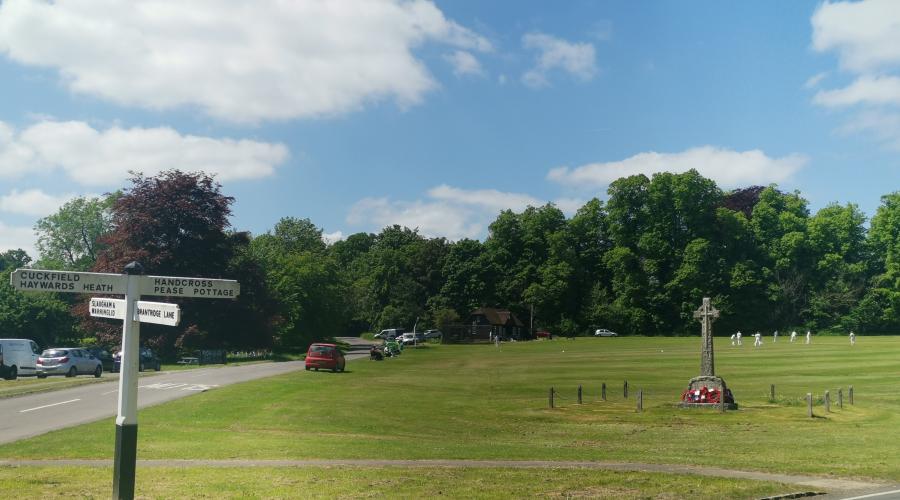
pixel 389 334
pixel 18 357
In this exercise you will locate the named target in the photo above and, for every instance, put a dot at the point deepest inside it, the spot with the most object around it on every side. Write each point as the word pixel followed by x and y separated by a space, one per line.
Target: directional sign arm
pixel 40 280
pixel 207 288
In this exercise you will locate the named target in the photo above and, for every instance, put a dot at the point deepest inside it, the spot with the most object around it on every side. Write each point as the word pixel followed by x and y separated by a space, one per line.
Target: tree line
pixel 638 263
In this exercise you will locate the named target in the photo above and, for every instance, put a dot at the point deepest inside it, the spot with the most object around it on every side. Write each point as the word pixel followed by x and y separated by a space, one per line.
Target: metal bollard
pixel 603 391
pixel 640 401
pixel 827 401
pixel 579 394
pixel 772 392
pixel 841 398
pixel 551 397
pixel 625 390
pixel 809 404
pixel 850 394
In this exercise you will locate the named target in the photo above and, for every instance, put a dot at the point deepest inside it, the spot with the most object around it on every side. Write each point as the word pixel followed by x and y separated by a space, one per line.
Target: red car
pixel 326 356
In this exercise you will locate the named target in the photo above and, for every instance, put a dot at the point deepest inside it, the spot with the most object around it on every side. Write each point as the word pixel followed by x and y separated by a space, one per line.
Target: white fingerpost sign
pixel 189 287
pixel 37 280
pixel 132 311
pixel 161 313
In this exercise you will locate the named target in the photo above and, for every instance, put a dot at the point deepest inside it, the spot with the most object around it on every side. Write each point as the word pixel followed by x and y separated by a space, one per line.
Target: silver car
pixel 68 361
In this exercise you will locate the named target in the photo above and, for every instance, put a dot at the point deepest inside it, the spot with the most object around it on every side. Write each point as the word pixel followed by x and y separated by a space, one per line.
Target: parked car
pixel 603 332
pixel 18 357
pixel 433 334
pixel 68 361
pixel 409 338
pixel 146 359
pixel 389 334
pixel 106 359
pixel 326 356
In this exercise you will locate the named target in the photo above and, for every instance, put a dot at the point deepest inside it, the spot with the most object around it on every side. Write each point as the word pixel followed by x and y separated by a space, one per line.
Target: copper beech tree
pixel 177 224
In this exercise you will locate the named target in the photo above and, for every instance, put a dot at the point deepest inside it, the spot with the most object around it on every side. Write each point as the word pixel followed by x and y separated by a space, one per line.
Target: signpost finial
pixel 134 267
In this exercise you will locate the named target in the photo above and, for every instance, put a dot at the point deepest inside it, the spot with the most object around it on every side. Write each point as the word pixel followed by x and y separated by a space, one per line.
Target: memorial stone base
pixel 710 382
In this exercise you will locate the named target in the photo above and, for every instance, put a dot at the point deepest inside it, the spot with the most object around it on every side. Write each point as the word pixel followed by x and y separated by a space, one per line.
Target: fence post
pixel 625 390
pixel 551 397
pixel 603 391
pixel 809 404
pixel 841 398
pixel 772 392
pixel 722 400
pixel 850 394
pixel 579 394
pixel 827 401
pixel 640 401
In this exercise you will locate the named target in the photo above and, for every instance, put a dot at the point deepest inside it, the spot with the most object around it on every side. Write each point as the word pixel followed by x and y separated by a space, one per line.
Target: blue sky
pixel 362 113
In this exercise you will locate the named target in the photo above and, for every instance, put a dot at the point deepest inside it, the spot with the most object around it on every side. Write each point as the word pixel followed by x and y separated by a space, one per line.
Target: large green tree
pixel 71 238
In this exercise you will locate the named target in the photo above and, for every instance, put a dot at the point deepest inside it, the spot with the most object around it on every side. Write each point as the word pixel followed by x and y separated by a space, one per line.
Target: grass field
pixel 478 402
pixel 333 482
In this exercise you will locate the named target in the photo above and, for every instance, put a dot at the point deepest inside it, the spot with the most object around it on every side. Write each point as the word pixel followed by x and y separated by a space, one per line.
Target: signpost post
pixel 132 311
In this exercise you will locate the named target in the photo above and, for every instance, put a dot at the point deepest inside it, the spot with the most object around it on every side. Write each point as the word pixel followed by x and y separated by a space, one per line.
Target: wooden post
pixel 722 400
pixel 625 390
pixel 551 397
pixel 850 394
pixel 809 404
pixel 841 398
pixel 579 394
pixel 772 392
pixel 827 401
pixel 640 401
pixel 603 391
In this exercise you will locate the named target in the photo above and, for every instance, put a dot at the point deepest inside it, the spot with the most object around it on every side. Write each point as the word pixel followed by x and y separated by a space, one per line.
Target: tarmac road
pixel 34 414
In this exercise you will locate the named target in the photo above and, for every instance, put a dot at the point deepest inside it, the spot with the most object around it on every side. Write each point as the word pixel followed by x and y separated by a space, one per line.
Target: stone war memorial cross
pixel 132 311
pixel 707 389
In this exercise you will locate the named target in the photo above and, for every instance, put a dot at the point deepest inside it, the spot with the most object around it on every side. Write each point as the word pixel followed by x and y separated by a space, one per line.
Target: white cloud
pixel 727 167
pixel 883 126
pixel 489 199
pixel 332 238
pixel 432 219
pixel 870 90
pixel 15 237
pixel 104 157
pixel 464 63
pixel 33 202
pixel 553 53
pixel 244 61
pixel 569 205
pixel 815 80
pixel 450 212
pixel 16 159
pixel 866 35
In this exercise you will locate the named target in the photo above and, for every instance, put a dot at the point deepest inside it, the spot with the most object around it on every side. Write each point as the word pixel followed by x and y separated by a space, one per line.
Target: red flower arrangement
pixel 702 395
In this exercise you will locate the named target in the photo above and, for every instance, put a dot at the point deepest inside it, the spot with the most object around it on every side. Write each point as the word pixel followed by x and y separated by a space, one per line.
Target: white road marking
pixel 109 392
pixel 200 387
pixel 48 406
pixel 874 495
pixel 184 387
